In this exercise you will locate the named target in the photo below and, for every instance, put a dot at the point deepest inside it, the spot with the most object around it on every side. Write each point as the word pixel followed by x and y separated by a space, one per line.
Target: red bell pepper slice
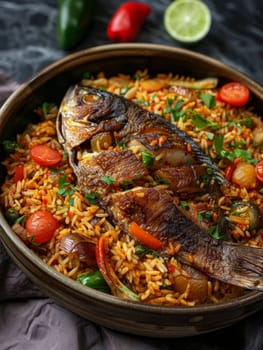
pixel 103 261
pixel 126 22
pixel 19 173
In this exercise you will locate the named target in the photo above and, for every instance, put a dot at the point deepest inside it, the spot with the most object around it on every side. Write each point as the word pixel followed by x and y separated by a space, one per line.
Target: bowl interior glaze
pixel 50 85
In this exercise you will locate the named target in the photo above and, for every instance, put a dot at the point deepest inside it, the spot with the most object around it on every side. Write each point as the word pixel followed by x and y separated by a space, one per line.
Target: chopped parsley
pixel 175 110
pixel 218 143
pixel 141 250
pixel 120 144
pixel 126 184
pixel 10 146
pixel 233 154
pixel 65 187
pixel 201 122
pixel 162 181
pixel 147 158
pixel 184 205
pixel 92 197
pixel 209 100
pixel 215 232
pixel 71 201
pixel 209 135
pixel 108 180
pixel 141 102
pixel 46 107
pixel 199 217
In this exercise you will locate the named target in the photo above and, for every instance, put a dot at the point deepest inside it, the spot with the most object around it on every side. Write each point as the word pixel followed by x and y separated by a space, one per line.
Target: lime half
pixel 187 21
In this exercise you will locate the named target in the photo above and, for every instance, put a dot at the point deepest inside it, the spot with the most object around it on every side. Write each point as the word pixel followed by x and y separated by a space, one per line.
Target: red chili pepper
pixel 127 21
pixel 107 271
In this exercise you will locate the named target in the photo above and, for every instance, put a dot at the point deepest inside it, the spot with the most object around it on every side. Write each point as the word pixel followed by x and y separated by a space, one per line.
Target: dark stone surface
pixel 28 40
pixel 27 44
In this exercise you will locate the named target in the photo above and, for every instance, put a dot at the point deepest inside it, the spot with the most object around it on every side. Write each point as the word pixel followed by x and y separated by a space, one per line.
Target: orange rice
pixel 149 276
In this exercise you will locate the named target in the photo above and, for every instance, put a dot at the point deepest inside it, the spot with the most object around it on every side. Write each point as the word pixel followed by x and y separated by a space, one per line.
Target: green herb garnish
pixel 10 146
pixel 210 135
pixel 184 205
pixel 47 106
pixel 162 181
pixel 218 143
pixel 200 217
pixel 175 110
pixel 215 233
pixel 147 158
pixel 201 122
pixel 141 250
pixel 92 197
pixel 209 100
pixel 141 102
pixel 108 180
pixel 65 187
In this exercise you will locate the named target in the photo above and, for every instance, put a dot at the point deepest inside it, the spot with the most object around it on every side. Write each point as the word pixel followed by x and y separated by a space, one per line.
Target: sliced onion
pixel 73 243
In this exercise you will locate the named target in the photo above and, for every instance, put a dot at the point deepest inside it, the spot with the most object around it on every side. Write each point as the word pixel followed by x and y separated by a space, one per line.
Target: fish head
pixel 86 111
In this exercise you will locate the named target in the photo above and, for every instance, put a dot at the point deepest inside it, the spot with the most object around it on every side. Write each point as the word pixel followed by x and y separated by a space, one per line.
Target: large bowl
pixel 50 85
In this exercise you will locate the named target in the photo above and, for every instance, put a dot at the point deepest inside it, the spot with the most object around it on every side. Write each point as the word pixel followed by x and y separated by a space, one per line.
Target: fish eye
pixel 89 98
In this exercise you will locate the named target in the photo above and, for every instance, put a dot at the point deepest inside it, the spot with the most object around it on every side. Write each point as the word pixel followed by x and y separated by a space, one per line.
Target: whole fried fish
pixel 138 162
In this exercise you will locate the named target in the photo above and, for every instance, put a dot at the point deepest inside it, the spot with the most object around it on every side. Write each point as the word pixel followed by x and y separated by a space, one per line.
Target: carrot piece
pixel 145 237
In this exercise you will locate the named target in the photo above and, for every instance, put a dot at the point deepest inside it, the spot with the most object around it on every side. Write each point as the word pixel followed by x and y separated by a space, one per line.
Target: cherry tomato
pixel 45 155
pixel 234 93
pixel 19 173
pixel 259 171
pixel 41 226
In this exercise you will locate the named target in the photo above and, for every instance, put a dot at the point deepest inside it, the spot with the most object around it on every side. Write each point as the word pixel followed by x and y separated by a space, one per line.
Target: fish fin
pixel 246 266
pixel 202 158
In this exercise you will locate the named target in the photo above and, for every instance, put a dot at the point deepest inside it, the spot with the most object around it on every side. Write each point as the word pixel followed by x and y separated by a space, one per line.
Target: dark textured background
pixel 29 320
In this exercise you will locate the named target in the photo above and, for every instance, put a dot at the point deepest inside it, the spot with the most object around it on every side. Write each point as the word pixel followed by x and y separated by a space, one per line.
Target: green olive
pixel 11 215
pixel 246 211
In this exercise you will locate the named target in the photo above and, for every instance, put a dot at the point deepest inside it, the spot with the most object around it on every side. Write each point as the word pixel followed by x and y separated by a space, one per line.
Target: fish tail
pixel 246 266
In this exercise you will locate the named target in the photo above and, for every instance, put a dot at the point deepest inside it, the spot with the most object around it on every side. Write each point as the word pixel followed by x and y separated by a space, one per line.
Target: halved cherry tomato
pixel 41 226
pixel 144 237
pixel 234 93
pixel 45 155
pixel 19 173
pixel 259 171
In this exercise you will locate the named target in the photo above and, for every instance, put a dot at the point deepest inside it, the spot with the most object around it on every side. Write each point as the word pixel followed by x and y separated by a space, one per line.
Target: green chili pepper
pixel 73 21
pixel 94 280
